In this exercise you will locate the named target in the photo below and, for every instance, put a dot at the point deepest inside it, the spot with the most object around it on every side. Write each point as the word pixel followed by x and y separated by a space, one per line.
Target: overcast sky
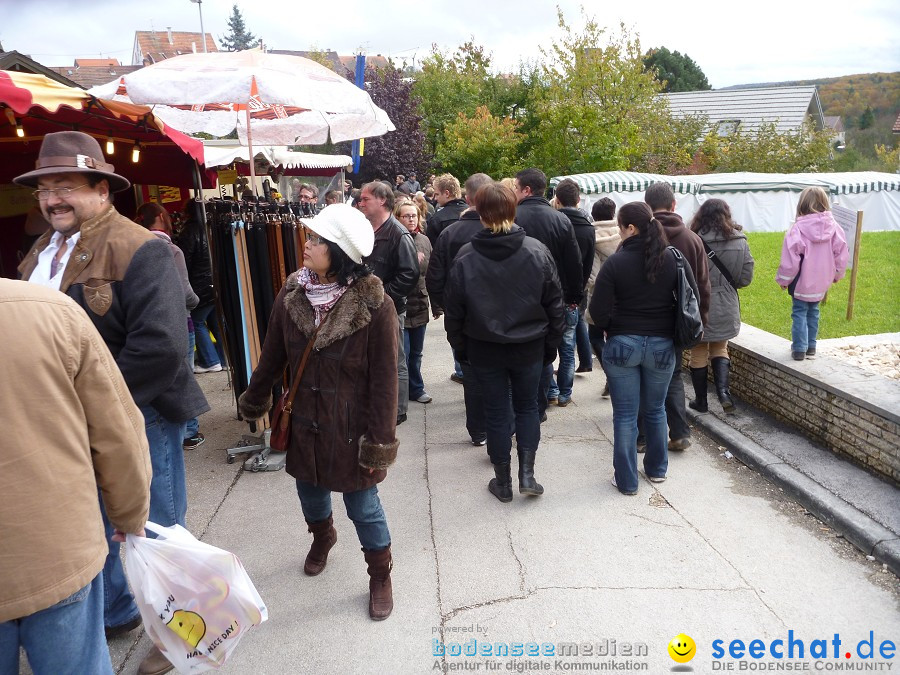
pixel 734 43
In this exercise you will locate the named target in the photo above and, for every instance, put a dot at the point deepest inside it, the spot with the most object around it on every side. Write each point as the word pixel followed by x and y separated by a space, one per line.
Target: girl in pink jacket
pixel 813 256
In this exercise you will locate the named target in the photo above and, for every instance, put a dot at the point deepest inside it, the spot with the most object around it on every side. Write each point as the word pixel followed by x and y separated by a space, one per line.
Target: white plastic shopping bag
pixel 196 600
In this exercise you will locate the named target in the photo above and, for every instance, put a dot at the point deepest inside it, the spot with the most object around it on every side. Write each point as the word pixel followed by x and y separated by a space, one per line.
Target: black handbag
pixel 688 325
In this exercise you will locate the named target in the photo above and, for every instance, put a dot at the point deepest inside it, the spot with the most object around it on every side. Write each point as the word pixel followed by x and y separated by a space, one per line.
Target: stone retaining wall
pixel 851 411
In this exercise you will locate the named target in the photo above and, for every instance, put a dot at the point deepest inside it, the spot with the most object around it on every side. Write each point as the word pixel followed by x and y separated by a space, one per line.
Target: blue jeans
pixel 457 368
pixel 804 325
pixel 168 506
pixel 583 342
pixel 64 639
pixel 192 426
pixel 207 354
pixel 639 369
pixel 413 342
pixel 496 384
pixel 363 508
pixel 565 374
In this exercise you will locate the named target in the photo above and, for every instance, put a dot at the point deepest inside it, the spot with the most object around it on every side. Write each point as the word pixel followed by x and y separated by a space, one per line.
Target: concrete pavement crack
pixel 234 482
pixel 650 520
pixel 730 564
pixel 437 562
pixel 518 562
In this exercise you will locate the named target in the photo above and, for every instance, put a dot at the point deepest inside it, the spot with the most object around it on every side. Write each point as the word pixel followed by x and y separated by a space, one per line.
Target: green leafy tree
pixel 596 104
pixel 768 151
pixel 676 71
pixel 238 37
pixel 481 143
pixel 450 84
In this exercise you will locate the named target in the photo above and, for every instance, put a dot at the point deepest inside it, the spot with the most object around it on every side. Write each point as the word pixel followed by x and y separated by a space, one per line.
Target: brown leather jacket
pixel 345 411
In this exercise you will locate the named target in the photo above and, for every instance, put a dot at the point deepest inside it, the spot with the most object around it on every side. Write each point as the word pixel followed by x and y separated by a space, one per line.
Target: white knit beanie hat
pixel 345 226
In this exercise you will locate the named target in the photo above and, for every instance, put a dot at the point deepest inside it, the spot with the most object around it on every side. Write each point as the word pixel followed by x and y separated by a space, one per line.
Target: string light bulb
pixel 20 132
pixel 110 146
pixel 136 153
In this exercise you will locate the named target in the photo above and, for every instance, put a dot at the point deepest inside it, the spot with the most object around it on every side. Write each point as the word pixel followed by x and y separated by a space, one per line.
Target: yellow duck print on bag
pixel 189 626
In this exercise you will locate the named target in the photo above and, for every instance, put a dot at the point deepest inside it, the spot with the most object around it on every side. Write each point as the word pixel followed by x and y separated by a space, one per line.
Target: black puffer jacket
pixel 443 217
pixel 394 261
pixel 503 288
pixel 553 230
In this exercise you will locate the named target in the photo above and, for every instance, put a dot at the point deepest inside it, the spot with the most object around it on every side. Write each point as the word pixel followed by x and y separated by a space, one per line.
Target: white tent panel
pixel 760 202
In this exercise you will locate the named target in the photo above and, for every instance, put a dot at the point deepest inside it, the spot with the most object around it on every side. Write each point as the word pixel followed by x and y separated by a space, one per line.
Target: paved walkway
pixel 716 552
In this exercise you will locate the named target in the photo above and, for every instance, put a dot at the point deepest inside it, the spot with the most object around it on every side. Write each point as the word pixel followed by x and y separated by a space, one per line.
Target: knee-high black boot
pixel 698 379
pixel 527 484
pixel 501 486
pixel 720 368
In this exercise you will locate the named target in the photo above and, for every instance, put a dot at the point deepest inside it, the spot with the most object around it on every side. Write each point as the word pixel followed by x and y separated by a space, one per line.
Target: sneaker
pixel 605 392
pixel 456 378
pixel 798 356
pixel 641 445
pixel 424 398
pixel 552 399
pixel 613 481
pixel 479 442
pixel 679 444
pixel 401 418
pixel 563 402
pixel 217 368
pixel 584 369
pixel 656 479
pixel 193 442
pixel 811 353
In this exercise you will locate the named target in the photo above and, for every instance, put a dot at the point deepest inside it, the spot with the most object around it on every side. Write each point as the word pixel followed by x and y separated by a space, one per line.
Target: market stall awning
pixel 38 105
pixel 625 181
pixel 223 153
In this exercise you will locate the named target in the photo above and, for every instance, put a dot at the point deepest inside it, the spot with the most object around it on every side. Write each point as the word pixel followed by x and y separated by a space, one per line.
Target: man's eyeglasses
pixel 60 193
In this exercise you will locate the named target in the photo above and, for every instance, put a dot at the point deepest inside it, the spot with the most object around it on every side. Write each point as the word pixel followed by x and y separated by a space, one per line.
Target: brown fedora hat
pixel 72 152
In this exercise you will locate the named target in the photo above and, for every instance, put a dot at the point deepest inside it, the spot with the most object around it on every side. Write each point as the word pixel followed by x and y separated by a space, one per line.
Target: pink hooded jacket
pixel 821 243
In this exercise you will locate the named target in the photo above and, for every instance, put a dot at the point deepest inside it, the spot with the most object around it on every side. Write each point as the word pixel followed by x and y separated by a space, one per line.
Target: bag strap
pixel 718 263
pixel 298 375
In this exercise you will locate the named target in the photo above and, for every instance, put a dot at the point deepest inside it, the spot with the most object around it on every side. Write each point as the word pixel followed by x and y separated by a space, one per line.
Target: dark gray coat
pixel 724 305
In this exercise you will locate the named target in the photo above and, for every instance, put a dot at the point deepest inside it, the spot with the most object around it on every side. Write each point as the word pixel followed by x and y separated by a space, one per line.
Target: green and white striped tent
pixel 761 202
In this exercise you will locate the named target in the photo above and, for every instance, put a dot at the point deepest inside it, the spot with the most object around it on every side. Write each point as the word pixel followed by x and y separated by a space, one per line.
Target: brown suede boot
pixel 324 537
pixel 381 597
pixel 154 663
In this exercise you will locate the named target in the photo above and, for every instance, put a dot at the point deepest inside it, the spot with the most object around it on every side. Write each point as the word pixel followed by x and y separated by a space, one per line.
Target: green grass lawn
pixel 877 305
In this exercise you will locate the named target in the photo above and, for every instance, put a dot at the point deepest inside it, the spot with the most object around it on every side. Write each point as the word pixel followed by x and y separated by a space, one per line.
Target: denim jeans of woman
pixel 804 325
pixel 566 372
pixel 583 342
pixel 65 638
pixel 497 382
pixel 638 369
pixel 363 508
pixel 413 342
pixel 205 321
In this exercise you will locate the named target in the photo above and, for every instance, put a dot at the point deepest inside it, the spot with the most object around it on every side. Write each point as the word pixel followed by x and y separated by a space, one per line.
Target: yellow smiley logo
pixel 682 648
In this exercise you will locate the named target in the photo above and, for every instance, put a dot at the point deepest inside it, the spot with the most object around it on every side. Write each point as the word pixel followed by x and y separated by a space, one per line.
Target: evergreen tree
pixel 676 71
pixel 238 37
pixel 867 119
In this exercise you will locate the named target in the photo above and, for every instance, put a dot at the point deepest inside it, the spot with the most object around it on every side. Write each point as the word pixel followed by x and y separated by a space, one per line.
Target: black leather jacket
pixel 192 243
pixel 553 229
pixel 394 261
pixel 453 238
pixel 448 214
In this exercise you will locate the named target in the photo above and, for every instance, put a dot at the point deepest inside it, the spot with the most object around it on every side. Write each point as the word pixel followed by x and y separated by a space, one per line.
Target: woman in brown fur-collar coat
pixel 345 411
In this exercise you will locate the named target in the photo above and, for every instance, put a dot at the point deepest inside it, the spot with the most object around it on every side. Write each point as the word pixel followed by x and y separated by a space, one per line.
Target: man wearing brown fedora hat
pixel 125 279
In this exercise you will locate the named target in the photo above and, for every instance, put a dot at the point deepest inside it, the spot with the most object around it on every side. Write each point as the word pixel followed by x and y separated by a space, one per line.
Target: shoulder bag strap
pixel 718 263
pixel 295 384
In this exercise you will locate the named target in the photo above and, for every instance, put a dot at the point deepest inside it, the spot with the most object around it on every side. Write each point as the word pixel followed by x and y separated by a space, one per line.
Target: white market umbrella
pixel 285 100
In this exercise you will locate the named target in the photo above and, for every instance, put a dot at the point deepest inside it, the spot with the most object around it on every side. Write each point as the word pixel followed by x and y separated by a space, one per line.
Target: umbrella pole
pixel 252 162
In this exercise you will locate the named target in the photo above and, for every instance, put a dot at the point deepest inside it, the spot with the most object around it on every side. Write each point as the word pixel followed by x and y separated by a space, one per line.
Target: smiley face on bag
pixel 189 626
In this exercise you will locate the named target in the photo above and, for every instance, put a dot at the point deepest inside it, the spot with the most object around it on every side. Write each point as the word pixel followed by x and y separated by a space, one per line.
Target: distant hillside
pixel 849 95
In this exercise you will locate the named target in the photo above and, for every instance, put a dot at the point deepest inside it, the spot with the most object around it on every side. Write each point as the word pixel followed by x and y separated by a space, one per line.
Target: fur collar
pixel 351 313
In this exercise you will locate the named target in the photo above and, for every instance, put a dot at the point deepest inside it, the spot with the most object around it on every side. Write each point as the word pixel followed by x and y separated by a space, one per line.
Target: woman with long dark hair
pixel 722 236
pixel 345 410
pixel 634 304
pixel 504 316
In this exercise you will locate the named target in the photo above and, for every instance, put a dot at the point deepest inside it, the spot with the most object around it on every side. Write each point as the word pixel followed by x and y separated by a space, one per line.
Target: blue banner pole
pixel 361 83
